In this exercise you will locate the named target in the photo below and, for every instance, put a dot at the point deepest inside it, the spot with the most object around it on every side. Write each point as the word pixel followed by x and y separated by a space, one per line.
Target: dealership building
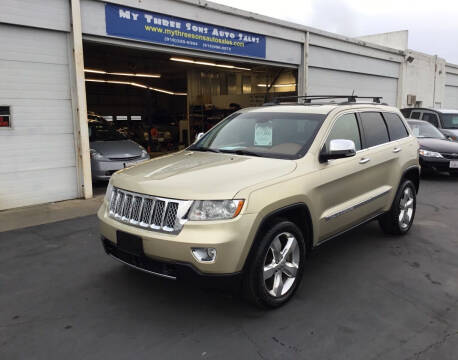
pixel 163 70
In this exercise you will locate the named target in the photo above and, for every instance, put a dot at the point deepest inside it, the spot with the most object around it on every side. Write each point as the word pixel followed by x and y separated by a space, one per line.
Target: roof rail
pixel 309 98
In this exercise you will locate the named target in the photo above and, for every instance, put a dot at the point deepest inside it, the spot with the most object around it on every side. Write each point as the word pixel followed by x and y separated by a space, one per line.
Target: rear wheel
pixel 277 266
pixel 399 219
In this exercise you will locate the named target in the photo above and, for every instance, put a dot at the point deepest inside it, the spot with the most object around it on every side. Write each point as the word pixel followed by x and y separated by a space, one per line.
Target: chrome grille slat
pixel 148 212
pixel 170 215
pixel 145 216
pixel 158 210
pixel 136 209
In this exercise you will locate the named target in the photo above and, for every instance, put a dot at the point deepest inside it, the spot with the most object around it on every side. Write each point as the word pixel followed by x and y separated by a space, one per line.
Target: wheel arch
pixel 413 174
pixel 295 213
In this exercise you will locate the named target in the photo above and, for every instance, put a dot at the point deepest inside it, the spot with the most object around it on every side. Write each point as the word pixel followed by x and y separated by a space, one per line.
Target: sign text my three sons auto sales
pixel 159 28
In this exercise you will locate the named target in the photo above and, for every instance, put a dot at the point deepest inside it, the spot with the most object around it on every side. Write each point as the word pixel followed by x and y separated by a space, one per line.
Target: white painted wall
pixel 425 78
pixel 38 161
pixel 395 39
pixel 451 87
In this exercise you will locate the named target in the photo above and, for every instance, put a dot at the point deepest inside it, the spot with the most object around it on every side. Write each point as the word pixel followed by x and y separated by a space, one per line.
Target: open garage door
pixel 158 101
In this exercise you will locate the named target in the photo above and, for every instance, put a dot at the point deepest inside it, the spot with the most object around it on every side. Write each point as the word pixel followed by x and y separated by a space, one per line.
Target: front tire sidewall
pixel 390 221
pixel 255 277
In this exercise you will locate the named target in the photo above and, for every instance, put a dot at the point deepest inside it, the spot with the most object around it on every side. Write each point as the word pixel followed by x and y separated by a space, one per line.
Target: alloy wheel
pixel 281 264
pixel 406 205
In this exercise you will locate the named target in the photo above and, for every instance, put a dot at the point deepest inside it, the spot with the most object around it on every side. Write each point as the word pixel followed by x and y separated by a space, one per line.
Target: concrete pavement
pixel 363 296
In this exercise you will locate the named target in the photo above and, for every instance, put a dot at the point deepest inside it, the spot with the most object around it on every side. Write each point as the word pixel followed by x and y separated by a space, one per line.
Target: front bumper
pixel 103 169
pixel 231 239
pixel 173 270
pixel 436 164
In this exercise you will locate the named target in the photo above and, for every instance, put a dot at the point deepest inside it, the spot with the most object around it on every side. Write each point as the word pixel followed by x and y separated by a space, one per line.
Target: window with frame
pixel 346 127
pixel 431 118
pixel 415 115
pixel 5 117
pixel 375 130
pixel 396 127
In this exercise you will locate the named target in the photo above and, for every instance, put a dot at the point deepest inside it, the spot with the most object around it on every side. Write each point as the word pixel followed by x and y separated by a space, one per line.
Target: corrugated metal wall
pixel 339 67
pixel 37 155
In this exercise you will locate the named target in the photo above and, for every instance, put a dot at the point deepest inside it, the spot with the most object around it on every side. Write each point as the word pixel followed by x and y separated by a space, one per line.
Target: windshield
pixel 425 130
pixel 102 132
pixel 266 134
pixel 449 121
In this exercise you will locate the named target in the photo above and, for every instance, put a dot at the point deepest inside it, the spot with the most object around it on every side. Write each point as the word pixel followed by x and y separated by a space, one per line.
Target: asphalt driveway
pixel 364 296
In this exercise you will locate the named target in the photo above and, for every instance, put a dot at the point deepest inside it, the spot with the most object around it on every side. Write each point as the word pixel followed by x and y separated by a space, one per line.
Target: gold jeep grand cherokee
pixel 247 202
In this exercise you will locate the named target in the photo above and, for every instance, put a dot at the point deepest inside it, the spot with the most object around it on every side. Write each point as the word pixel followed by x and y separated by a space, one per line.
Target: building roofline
pixel 287 24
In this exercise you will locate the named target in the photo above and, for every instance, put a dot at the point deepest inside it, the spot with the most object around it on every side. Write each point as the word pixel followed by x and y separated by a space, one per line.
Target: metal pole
pixel 83 148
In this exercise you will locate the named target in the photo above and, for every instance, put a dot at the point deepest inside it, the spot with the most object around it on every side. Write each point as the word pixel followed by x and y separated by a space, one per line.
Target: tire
pixel 262 291
pixel 399 219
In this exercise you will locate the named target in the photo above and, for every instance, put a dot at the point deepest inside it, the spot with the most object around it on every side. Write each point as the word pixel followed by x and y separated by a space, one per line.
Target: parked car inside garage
pixel 437 153
pixel 111 151
pixel 445 120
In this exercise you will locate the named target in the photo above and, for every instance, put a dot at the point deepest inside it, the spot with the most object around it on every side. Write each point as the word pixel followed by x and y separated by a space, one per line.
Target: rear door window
pixel 396 127
pixel 375 130
pixel 431 118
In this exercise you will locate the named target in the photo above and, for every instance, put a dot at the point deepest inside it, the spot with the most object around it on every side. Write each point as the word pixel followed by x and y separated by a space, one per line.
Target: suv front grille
pixel 148 212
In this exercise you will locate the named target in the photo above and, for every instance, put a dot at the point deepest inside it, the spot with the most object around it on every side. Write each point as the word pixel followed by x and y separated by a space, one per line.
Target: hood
pixel 439 145
pixel 190 175
pixel 452 132
pixel 117 149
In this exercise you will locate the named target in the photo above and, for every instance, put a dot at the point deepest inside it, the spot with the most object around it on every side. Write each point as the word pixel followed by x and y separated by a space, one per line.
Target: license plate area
pixel 454 164
pixel 129 243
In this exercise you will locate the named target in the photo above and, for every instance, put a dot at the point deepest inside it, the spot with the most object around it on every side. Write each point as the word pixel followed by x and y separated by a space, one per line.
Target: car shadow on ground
pixel 141 290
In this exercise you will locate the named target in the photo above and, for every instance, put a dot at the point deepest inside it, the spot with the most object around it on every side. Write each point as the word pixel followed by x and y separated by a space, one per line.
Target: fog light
pixel 204 254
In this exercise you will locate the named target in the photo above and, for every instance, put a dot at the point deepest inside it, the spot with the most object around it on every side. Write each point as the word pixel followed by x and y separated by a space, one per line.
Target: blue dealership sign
pixel 168 30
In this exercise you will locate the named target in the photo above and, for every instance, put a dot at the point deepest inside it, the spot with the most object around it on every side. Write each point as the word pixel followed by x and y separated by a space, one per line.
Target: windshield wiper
pixel 241 152
pixel 205 149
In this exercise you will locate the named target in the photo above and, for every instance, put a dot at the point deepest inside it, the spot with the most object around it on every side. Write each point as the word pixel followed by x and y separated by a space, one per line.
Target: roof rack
pixel 351 99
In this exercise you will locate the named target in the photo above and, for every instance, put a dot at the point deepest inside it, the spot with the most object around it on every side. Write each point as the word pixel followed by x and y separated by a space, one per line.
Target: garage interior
pixel 162 100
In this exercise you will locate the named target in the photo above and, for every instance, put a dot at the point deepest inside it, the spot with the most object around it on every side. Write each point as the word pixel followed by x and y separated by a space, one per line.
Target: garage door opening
pixel 161 101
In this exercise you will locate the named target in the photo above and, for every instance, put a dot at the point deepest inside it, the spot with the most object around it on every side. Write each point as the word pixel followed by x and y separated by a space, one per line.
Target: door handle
pixel 396 150
pixel 364 160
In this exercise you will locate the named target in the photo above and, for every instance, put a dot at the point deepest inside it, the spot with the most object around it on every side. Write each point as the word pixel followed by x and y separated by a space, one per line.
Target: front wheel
pixel 277 266
pixel 399 219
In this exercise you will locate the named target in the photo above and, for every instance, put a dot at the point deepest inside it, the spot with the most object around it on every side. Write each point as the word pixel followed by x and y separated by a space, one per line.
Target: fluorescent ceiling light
pixel 121 74
pixel 182 60
pixel 277 85
pixel 95 80
pixel 95 71
pixel 198 62
pixel 138 85
pixel 204 63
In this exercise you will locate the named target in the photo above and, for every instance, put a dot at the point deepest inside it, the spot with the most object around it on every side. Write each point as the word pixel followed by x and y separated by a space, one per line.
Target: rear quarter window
pixel 396 127
pixel 415 115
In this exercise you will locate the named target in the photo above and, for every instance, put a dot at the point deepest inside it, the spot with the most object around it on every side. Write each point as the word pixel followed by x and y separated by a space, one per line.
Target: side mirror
pixel 338 149
pixel 199 136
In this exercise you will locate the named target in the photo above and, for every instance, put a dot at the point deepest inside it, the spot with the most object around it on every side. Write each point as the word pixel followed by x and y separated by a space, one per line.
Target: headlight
pixel 215 209
pixel 109 192
pixel 96 155
pixel 428 153
pixel 144 153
